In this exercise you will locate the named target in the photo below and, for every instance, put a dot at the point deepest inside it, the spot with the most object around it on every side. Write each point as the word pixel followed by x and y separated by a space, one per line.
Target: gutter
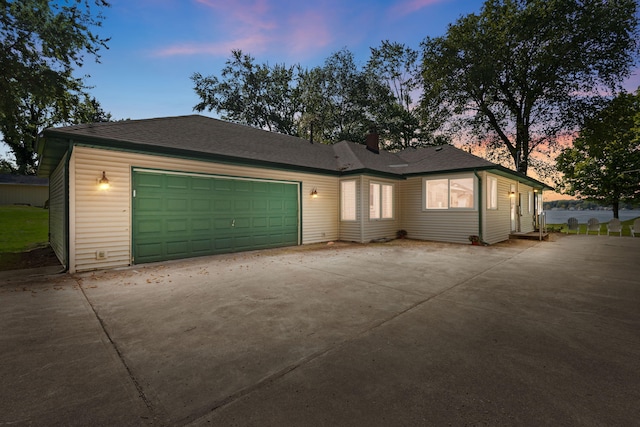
pixel 475 172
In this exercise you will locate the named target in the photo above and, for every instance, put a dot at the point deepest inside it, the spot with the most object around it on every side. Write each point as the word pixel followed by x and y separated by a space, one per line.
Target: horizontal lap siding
pixel 379 228
pixel 103 218
pixel 498 222
pixel 57 212
pixel 23 194
pixel 445 226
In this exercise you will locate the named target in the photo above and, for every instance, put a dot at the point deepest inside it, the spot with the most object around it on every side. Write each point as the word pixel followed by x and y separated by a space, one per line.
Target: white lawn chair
pixel 635 227
pixel 593 225
pixel 614 226
pixel 572 225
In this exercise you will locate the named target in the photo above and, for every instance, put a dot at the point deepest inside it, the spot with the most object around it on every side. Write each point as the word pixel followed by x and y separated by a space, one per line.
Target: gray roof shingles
pixel 204 135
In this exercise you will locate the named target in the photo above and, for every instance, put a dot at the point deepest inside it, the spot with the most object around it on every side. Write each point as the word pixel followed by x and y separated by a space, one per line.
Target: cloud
pixel 408 7
pixel 257 26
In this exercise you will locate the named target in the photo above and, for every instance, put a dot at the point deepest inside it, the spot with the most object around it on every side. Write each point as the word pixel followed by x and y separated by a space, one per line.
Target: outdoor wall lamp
pixel 512 194
pixel 314 193
pixel 103 184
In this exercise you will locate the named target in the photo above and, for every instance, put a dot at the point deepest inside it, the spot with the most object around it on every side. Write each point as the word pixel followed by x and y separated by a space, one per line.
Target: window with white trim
pixel 380 201
pixel 492 192
pixel 530 194
pixel 348 200
pixel 437 194
pixel 454 193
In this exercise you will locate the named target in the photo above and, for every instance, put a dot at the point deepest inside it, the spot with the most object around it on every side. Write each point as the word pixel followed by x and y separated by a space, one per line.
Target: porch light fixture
pixel 512 194
pixel 314 193
pixel 103 184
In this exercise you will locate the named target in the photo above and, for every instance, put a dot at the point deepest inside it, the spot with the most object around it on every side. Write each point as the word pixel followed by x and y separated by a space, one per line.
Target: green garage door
pixel 181 216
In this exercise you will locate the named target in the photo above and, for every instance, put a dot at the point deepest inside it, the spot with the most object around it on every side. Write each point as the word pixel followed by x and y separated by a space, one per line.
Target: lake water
pixel 561 216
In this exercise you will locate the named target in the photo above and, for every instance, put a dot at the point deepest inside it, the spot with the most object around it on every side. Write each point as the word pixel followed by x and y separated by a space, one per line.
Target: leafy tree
pixel 335 98
pixel 6 166
pixel 21 130
pixel 402 124
pixel 254 94
pixel 603 164
pixel 41 44
pixel 517 72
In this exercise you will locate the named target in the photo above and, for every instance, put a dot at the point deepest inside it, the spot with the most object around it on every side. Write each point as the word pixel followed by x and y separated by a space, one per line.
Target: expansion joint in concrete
pixel 155 412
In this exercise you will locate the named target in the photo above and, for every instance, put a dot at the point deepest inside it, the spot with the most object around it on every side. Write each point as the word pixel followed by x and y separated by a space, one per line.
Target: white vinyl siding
pixel 101 220
pixel 377 228
pixel 497 222
pixel 23 194
pixel 444 225
pixel 348 200
pixel 57 212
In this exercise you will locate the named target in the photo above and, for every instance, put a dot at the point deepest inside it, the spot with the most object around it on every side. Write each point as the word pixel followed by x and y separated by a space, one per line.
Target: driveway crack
pixel 157 413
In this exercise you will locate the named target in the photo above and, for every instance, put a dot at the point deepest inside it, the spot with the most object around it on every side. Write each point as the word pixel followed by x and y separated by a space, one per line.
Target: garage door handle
pixel 233 223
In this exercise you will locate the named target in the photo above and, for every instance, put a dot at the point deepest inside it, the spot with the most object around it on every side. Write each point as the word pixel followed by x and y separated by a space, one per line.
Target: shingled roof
pixel 201 136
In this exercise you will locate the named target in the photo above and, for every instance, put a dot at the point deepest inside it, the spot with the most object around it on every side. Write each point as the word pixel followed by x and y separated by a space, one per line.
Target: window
pixel 438 194
pixel 455 193
pixel 492 193
pixel 348 200
pixel 461 193
pixel 380 201
pixel 530 194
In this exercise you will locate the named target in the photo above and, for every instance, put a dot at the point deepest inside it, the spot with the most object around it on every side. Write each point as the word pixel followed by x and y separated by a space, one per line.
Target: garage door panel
pixel 201 184
pixel 201 224
pixel 176 225
pixel 220 205
pixel 181 216
pixel 243 205
pixel 202 205
pixel 151 204
pixel 178 248
pixel 177 182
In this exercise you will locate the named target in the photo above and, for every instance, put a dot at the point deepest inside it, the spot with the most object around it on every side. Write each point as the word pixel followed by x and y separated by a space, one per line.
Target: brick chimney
pixel 373 142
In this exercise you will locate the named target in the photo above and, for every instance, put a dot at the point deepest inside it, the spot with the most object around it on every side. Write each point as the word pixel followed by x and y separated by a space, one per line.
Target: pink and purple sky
pixel 156 45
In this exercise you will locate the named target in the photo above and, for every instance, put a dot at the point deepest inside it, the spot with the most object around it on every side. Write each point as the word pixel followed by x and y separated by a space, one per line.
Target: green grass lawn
pixel 23 228
pixel 626 231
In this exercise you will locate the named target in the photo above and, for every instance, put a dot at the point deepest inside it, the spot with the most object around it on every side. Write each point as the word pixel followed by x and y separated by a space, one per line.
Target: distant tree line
pixel 585 205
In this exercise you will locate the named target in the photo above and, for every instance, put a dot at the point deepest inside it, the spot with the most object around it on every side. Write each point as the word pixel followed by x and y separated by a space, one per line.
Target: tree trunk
pixel 616 209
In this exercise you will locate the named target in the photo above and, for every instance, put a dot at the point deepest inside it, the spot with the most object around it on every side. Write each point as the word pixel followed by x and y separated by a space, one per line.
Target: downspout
pixel 67 183
pixel 475 172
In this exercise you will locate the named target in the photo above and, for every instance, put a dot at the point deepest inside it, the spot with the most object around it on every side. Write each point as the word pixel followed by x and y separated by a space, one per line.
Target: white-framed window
pixel 380 201
pixel 530 202
pixel 453 193
pixel 492 192
pixel 348 200
pixel 437 193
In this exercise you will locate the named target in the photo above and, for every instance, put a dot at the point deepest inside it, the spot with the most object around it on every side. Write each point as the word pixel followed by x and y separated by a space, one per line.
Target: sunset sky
pixel 156 45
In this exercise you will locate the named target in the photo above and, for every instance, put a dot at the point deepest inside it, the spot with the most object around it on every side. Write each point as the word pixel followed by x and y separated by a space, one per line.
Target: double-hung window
pixel 454 193
pixel 380 201
pixel 348 200
pixel 492 192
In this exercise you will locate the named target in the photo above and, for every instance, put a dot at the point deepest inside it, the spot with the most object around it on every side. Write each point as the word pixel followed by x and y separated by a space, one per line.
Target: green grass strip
pixel 23 228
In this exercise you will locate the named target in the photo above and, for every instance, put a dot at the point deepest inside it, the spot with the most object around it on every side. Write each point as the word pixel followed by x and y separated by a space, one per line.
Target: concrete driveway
pixel 402 333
